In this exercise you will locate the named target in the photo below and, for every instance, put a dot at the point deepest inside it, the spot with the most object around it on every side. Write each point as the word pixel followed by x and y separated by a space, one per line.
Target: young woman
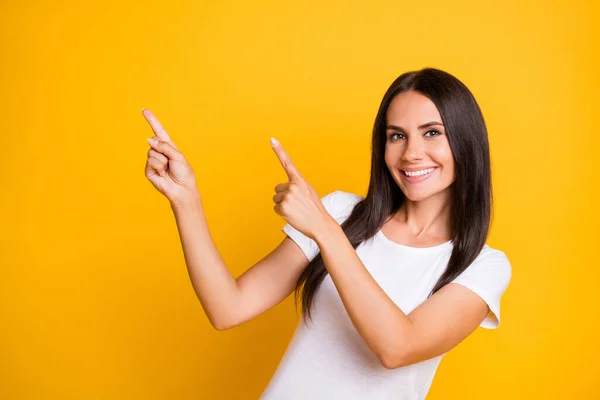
pixel 389 282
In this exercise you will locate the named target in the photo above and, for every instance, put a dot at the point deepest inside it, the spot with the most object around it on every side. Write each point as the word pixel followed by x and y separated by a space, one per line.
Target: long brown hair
pixel 471 206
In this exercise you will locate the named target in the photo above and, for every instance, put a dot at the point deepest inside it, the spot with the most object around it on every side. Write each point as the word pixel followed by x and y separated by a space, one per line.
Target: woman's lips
pixel 416 179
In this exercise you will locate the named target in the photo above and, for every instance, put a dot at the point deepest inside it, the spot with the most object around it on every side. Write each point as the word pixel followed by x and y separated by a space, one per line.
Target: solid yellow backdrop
pixel 96 302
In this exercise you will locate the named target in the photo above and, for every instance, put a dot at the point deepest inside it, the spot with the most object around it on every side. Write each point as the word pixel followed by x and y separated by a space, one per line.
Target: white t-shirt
pixel 328 359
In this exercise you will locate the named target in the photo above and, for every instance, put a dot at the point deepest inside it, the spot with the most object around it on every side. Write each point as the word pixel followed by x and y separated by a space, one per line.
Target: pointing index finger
pixel 156 126
pixel 286 161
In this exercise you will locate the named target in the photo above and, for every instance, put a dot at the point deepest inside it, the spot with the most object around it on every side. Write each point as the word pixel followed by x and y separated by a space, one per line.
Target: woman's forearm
pixel 213 283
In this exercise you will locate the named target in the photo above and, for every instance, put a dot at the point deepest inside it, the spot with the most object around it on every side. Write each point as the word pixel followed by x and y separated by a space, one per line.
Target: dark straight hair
pixel 471 190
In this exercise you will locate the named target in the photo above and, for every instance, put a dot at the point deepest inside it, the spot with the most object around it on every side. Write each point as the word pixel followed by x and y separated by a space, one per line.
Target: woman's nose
pixel 413 151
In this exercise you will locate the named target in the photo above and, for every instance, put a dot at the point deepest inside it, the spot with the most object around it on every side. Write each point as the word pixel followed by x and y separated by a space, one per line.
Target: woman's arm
pixel 397 339
pixel 227 301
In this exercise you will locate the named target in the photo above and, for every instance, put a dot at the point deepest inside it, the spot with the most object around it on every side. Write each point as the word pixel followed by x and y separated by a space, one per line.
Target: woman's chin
pixel 416 198
pixel 414 194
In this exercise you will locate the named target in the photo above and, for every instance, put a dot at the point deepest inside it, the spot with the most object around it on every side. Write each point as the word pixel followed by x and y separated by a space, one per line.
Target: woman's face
pixel 415 148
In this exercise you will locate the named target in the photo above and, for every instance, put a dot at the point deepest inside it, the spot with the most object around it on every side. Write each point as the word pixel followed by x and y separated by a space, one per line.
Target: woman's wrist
pixel 187 200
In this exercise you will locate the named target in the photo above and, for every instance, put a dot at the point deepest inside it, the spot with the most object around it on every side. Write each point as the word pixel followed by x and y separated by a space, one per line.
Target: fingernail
pixel 274 142
pixel 152 141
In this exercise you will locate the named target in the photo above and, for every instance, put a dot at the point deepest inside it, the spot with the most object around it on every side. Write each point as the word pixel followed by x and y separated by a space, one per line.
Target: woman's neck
pixel 428 217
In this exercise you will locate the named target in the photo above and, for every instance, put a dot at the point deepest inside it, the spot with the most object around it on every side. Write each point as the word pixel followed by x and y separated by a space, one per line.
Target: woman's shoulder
pixel 488 252
pixel 340 203
pixel 492 259
pixel 345 198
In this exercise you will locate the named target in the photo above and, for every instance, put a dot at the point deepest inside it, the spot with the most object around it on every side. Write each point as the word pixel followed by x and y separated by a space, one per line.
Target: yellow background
pixel 96 302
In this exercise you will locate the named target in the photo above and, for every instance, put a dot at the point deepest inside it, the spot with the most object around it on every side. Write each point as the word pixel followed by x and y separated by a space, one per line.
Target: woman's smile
pixel 419 177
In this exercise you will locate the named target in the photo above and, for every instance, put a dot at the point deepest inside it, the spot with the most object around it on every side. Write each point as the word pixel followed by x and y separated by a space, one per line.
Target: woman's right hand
pixel 167 169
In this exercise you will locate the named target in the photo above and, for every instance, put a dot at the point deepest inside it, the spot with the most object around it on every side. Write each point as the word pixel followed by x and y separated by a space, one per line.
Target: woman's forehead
pixel 411 109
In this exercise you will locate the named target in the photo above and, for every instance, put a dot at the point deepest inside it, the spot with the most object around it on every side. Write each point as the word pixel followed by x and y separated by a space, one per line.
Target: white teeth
pixel 419 173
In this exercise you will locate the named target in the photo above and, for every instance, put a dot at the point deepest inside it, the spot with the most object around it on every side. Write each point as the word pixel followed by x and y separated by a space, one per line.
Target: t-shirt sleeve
pixel 339 205
pixel 488 276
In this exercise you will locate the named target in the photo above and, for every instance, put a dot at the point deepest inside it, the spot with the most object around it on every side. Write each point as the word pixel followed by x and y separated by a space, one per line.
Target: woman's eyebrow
pixel 420 127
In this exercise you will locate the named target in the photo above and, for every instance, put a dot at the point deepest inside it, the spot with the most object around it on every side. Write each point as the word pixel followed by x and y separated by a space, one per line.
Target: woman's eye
pixel 393 135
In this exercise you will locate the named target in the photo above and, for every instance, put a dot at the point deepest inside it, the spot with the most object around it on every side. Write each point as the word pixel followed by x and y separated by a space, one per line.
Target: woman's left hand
pixel 297 201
